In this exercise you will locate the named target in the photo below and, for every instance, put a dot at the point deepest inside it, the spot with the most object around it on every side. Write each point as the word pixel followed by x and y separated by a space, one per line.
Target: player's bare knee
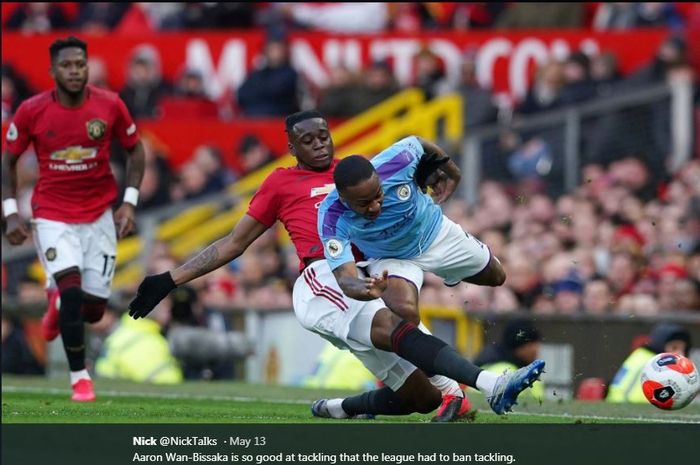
pixel 383 325
pixel 499 276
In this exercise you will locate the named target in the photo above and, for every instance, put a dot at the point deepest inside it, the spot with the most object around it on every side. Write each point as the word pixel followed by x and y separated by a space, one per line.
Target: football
pixel 670 381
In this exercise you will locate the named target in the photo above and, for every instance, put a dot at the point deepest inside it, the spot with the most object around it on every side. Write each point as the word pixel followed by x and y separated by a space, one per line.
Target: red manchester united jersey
pixel 72 145
pixel 293 195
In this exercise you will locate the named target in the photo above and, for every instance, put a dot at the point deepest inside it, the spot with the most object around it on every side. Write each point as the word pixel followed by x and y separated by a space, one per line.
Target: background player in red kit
pixel 72 127
pixel 293 195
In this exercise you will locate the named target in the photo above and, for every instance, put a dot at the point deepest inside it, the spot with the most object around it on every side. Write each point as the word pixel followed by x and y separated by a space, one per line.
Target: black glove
pixel 427 165
pixel 151 291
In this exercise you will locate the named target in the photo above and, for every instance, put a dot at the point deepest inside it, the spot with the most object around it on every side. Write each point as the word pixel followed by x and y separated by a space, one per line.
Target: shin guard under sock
pixel 432 355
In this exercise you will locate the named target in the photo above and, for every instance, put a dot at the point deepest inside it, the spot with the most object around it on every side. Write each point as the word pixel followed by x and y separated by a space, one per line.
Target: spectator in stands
pixel 210 161
pixel 567 294
pixel 338 99
pixel 545 93
pixel 419 16
pixel 253 153
pixel 191 84
pixel 597 297
pixel 98 72
pixel 211 15
pixel 157 179
pixel 202 175
pixel 378 84
pixel 37 17
pixel 14 91
pixel 271 90
pixel 523 279
pixel 525 15
pixel 478 102
pixel 687 294
pixel 430 74
pixel 620 15
pixel 144 86
pixel 578 86
pixel 99 17
pixel 604 73
pixel 668 278
pixel 671 55
pixel 476 15
pixel 338 18
pixel 17 355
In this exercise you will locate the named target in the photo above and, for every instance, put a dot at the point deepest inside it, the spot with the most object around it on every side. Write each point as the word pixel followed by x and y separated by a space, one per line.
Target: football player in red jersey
pixel 74 229
pixel 292 195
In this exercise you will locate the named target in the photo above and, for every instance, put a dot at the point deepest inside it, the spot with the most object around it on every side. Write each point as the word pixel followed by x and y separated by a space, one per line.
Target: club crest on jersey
pixel 50 254
pixel 403 192
pixel 74 154
pixel 334 248
pixel 96 128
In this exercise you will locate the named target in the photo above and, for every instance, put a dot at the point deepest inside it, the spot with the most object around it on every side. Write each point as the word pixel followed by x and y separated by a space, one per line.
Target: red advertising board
pixel 505 60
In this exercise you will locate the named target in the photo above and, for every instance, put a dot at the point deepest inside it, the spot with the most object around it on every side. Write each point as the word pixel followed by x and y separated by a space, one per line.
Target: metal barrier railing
pixel 568 133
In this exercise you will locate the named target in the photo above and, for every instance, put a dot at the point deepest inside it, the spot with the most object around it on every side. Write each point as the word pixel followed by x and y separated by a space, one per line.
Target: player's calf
pixel 70 320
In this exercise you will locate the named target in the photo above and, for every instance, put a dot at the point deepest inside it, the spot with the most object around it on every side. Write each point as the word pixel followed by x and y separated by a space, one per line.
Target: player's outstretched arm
pixel 437 171
pixel 359 289
pixel 154 288
pixel 16 231
pixel 125 216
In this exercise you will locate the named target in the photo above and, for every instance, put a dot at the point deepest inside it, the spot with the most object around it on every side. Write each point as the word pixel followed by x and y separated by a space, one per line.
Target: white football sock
pixel 76 376
pixel 335 408
pixel 447 386
pixel 486 381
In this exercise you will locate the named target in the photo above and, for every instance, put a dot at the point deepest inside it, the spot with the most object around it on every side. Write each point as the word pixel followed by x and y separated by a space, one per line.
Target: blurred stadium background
pixel 576 126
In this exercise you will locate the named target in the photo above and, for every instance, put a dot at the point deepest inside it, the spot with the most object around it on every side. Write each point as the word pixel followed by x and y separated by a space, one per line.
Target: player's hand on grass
pixel 151 291
pixel 16 231
pixel 376 285
pixel 125 219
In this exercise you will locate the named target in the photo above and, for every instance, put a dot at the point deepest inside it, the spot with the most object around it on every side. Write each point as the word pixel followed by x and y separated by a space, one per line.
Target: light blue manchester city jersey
pixel 407 224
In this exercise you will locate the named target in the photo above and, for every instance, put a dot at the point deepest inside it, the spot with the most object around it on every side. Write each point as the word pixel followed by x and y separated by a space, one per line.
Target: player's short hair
pixel 298 117
pixel 60 44
pixel 351 171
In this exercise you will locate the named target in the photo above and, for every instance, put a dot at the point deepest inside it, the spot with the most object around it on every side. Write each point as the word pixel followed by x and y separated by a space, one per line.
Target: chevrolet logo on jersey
pixel 96 128
pixel 74 154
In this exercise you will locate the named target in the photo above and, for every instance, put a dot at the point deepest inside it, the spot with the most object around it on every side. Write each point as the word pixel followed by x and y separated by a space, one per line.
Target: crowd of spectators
pixel 340 17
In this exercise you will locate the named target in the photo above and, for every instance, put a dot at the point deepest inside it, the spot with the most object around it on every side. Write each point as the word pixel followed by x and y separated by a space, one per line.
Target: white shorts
pixel 321 307
pixel 92 247
pixel 454 255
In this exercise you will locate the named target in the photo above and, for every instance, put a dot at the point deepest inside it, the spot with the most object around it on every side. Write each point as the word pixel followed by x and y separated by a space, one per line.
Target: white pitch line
pixel 29 389
pixel 686 419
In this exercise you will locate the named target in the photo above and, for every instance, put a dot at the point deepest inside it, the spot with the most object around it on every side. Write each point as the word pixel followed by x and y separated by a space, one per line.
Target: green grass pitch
pixel 41 400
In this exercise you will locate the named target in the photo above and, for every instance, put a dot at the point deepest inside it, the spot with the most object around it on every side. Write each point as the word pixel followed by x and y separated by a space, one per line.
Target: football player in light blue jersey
pixel 382 207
